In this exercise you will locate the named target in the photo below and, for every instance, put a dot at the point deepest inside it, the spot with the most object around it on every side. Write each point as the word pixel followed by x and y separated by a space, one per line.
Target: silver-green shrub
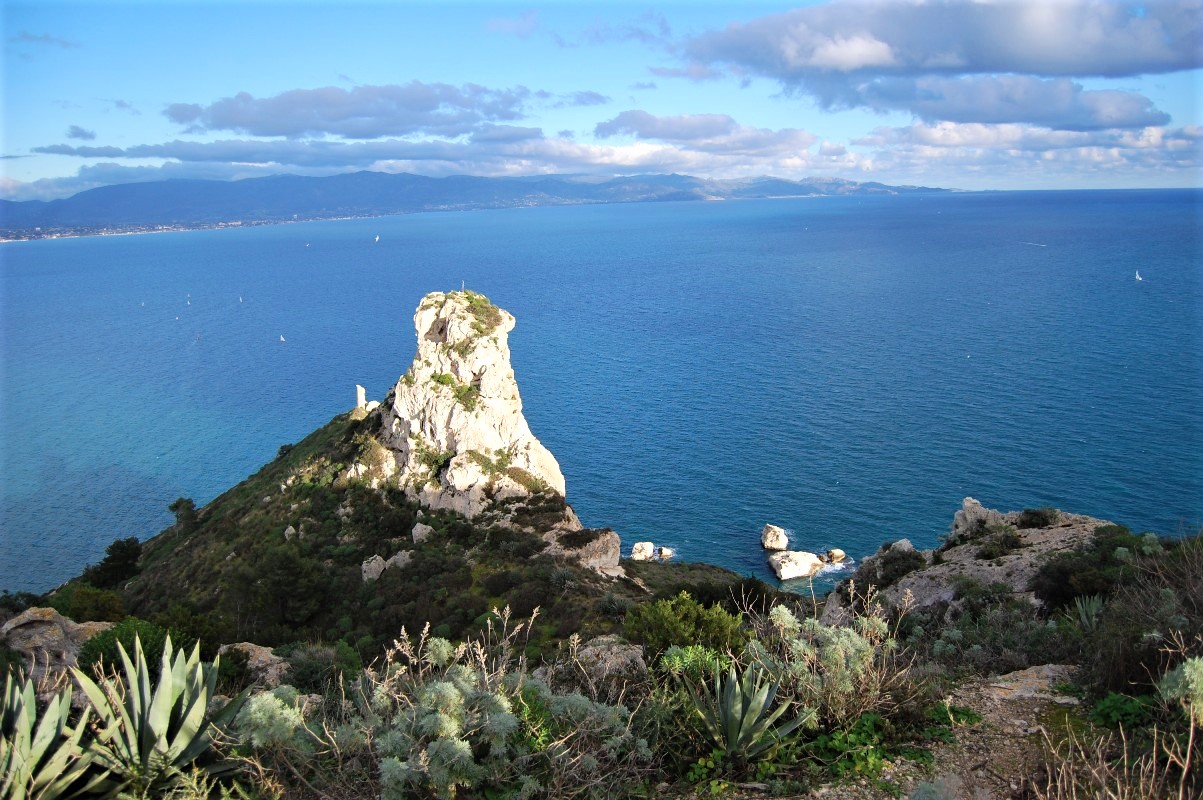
pixel 839 672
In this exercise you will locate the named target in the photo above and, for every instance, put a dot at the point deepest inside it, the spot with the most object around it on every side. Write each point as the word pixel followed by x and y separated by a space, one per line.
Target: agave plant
pixel 149 737
pixel 44 758
pixel 739 715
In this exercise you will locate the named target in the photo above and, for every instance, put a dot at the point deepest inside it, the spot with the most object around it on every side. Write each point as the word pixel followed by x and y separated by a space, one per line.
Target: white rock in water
pixel 836 555
pixel 795 564
pixel 774 538
pixel 643 551
pixel 453 425
pixel 666 553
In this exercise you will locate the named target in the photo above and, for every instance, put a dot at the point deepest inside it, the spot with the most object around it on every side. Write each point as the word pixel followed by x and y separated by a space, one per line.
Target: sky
pixel 969 94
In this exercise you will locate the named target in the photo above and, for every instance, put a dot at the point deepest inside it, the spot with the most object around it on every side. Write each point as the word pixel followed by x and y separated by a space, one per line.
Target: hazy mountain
pixel 285 197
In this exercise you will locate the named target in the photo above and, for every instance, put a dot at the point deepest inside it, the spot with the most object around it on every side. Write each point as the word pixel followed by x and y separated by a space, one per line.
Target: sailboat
pixel 1138 276
pixel 281 338
pixel 377 237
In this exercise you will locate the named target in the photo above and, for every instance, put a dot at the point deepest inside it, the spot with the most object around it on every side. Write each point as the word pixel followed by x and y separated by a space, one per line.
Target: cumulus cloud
pixel 976 155
pixel 1058 102
pixel 76 132
pixel 711 133
pixel 961 60
pixel 361 112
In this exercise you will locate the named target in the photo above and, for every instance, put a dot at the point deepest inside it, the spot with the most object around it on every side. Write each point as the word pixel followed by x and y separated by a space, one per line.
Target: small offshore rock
pixel 643 551
pixel 666 553
pixel 774 538
pixel 836 555
pixel 789 564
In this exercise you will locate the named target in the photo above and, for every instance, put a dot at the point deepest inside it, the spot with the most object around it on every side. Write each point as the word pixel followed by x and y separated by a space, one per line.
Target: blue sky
pixel 974 95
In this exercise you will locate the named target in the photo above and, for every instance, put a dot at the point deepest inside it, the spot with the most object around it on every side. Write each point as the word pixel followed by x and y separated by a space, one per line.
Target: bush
pixel 841 672
pixel 317 668
pixel 896 562
pixel 1096 569
pixel 1039 517
pixel 1162 602
pixel 1123 711
pixel 1000 540
pixel 101 653
pixel 83 603
pixel 120 563
pixel 683 621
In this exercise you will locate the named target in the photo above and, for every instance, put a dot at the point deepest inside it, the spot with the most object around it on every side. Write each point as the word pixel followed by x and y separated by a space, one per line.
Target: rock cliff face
pixel 452 427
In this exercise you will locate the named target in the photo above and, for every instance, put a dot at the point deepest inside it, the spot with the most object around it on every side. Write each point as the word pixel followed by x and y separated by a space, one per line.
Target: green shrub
pixel 318 668
pixel 103 650
pixel 1098 568
pixel 1000 540
pixel 120 563
pixel 1045 517
pixel 83 603
pixel 1161 602
pixel 896 562
pixel 683 621
pixel 1123 711
pixel 841 672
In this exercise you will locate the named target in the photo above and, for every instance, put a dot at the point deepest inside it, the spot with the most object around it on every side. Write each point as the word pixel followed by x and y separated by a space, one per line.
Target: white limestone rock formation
pixel 643 551
pixel 972 518
pixel 774 538
pixel 788 564
pixel 453 426
pixel 836 556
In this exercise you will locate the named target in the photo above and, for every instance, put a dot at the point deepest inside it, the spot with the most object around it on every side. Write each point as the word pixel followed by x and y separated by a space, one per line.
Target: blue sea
pixel 847 367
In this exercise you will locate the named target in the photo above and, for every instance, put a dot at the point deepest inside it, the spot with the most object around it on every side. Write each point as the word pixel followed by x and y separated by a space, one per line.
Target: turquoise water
pixel 849 368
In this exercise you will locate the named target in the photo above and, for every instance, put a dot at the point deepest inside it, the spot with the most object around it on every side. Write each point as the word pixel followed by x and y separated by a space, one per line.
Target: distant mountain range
pixel 200 203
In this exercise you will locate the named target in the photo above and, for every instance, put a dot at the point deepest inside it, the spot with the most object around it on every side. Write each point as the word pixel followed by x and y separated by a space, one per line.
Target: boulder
pixel 267 670
pixel 774 538
pixel 598 549
pixel 47 641
pixel 789 564
pixel 420 532
pixel 375 566
pixel 666 553
pixel 836 556
pixel 643 551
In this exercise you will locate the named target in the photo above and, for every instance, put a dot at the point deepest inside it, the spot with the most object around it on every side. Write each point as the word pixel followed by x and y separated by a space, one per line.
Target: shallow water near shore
pixel 848 368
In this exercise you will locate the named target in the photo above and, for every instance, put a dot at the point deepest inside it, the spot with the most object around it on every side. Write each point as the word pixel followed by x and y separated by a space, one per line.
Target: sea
pixel 849 368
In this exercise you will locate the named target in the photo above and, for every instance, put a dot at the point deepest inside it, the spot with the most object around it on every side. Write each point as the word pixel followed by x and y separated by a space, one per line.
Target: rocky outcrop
pixel 376 566
pixel 972 517
pixel 596 549
pixel 267 670
pixel 929 577
pixel 452 427
pixel 48 641
pixel 774 538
